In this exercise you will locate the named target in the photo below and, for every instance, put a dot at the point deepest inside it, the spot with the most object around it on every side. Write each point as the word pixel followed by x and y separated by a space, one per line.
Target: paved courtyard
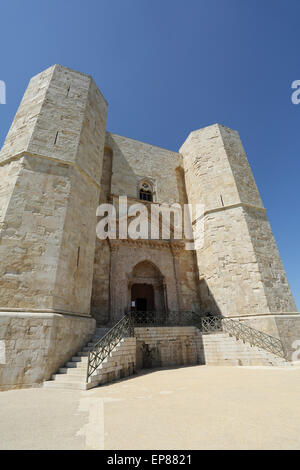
pixel 186 408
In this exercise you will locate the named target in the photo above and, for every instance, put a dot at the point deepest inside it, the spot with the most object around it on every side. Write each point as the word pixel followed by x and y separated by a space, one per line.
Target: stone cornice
pixel 141 243
pixel 42 311
pixel 52 159
pixel 231 206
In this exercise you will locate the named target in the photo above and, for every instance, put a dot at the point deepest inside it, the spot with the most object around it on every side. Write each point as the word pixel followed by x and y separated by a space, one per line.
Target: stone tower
pixel 240 270
pixel 51 163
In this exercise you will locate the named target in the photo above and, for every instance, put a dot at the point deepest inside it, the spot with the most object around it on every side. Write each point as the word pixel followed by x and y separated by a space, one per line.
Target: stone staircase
pixel 120 363
pixel 219 349
pixel 73 374
pixel 216 349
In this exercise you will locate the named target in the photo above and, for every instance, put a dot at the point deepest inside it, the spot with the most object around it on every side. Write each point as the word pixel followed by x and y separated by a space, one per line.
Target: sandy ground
pixel 186 408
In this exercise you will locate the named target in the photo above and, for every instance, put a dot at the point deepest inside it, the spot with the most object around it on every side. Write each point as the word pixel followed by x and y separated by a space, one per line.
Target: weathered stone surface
pixel 121 363
pixel 49 195
pixel 127 163
pixel 134 161
pixel 36 345
pixel 56 165
pixel 166 346
pixel 220 349
pixel 239 265
pixel 285 327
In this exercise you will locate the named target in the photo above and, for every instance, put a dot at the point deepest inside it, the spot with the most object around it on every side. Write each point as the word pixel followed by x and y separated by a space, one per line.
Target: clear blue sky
pixel 167 67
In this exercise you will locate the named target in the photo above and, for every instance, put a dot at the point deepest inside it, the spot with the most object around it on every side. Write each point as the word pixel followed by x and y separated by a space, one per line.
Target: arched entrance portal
pixel 146 288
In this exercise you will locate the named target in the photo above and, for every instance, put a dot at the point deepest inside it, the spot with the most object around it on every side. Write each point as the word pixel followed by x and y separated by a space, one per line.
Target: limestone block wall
pixel 240 270
pixel 51 167
pixel 121 363
pixel 220 349
pixel 8 174
pixel 63 116
pixel 165 346
pixel 231 279
pixel 133 160
pixel 34 346
pixel 100 303
pixel 188 280
pixel 22 128
pixel 289 333
pixel 285 327
pixel 275 282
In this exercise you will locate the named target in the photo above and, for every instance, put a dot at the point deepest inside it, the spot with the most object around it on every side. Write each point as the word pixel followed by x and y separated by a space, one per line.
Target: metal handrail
pixel 125 328
pixel 244 332
pixel 102 349
pixel 170 318
pixel 206 324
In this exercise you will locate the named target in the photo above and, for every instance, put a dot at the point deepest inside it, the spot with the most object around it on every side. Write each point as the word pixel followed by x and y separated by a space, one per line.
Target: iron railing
pixel 206 324
pixel 171 318
pixel 211 324
pixel 244 332
pixel 101 350
pixel 125 328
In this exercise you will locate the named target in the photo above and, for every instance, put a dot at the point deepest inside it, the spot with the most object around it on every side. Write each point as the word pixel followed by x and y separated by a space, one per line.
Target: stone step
pixel 96 338
pixel 100 333
pixel 68 378
pixel 73 374
pixel 222 349
pixel 76 365
pixel 73 371
pixel 68 385
pixel 82 359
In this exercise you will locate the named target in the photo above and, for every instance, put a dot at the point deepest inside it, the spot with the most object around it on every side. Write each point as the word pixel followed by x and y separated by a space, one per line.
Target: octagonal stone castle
pixel 57 279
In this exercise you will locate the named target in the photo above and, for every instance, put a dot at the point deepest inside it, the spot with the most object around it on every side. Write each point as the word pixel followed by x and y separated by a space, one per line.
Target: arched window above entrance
pixel 146 191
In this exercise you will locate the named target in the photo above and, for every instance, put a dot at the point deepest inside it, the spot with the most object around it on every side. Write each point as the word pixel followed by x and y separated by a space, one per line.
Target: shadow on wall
pixel 209 306
pixel 124 179
pixel 208 303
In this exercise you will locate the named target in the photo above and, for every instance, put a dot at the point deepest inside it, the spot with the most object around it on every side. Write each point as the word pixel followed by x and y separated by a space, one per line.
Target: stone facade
pixel 58 162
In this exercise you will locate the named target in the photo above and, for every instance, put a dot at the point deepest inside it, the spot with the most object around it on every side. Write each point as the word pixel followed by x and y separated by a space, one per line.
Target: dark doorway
pixel 141 305
pixel 143 296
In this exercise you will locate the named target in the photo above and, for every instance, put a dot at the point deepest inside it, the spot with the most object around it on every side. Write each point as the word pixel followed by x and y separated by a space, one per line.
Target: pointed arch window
pixel 145 192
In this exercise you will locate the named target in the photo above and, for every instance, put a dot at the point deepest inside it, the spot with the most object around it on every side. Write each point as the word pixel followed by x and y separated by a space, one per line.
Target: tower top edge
pixel 68 69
